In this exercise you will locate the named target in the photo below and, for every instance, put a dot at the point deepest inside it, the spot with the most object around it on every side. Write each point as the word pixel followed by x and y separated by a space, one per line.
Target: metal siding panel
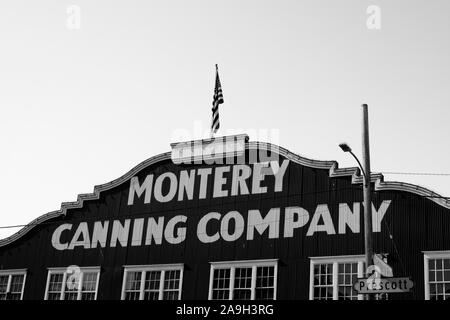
pixel 416 224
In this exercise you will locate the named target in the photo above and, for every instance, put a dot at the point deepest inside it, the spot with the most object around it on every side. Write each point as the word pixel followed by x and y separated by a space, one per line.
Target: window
pixel 152 282
pixel 243 280
pixel 72 284
pixel 437 275
pixel 332 278
pixel 12 283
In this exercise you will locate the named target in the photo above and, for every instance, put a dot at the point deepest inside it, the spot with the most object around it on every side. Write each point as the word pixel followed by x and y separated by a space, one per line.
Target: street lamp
pixel 346 148
pixel 368 242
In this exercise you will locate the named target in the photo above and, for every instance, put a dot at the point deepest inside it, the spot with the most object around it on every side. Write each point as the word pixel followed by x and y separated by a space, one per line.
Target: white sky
pixel 82 107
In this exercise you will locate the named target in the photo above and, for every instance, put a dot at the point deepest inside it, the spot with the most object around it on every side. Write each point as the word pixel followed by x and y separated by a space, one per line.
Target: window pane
pixel 53 296
pixel 346 280
pixel 221 284
pixel 439 279
pixel 447 264
pixel 440 288
pixel 133 295
pixel 323 293
pixel 265 283
pixel 88 296
pixel 172 280
pixel 152 279
pixel 447 290
pixel 264 294
pixel 72 286
pixel 248 282
pixel 347 267
pixel 151 285
pixel 243 278
pixel 242 284
pixel 221 294
pixel 71 289
pixel 432 264
pixel 151 295
pixel 432 288
pixel 15 289
pixel 14 296
pixel 171 284
pixel 432 275
pixel 170 295
pixel 55 283
pixel 133 285
pixel 70 295
pixel 55 286
pixel 240 294
pixel 445 275
pixel 17 283
pixel 3 283
pixel 133 280
pixel 323 281
pixel 89 281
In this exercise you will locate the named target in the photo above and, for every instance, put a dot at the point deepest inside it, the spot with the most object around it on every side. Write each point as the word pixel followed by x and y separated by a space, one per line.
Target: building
pixel 229 219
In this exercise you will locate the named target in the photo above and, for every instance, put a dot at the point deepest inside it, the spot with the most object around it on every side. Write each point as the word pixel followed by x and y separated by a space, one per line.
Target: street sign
pixel 383 285
pixel 384 268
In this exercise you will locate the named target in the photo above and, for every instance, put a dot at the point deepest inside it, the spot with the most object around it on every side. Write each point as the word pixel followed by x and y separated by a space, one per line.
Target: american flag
pixel 217 99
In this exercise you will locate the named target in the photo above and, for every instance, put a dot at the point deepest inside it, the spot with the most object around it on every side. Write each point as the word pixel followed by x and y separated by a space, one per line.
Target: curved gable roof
pixel 332 166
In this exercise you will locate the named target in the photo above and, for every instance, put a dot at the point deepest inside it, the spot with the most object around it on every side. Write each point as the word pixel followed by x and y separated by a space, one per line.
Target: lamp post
pixel 368 242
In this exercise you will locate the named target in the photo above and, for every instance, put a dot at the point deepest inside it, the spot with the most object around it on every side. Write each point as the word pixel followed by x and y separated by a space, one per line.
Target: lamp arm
pixel 360 166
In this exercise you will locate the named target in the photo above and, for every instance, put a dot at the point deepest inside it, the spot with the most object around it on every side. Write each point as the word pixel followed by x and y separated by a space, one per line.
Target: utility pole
pixel 368 241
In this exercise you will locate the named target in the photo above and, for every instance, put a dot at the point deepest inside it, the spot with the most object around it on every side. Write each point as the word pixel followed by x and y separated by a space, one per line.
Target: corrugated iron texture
pixel 411 225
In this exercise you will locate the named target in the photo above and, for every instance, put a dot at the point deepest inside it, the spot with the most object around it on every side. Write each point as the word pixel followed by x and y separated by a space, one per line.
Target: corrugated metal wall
pixel 411 225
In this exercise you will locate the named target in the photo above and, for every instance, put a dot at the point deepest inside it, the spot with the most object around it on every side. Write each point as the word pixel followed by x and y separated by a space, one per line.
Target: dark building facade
pixel 256 222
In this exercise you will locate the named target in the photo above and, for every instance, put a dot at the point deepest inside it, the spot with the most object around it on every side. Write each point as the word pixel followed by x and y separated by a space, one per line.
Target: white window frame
pixel 335 261
pixel 14 272
pixel 427 255
pixel 232 265
pixel 80 283
pixel 155 267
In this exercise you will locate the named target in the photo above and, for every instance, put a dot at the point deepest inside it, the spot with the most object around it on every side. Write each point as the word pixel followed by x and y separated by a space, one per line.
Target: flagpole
pixel 211 133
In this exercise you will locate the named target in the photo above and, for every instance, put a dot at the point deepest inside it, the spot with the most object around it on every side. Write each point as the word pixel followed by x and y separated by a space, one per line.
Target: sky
pixel 89 89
